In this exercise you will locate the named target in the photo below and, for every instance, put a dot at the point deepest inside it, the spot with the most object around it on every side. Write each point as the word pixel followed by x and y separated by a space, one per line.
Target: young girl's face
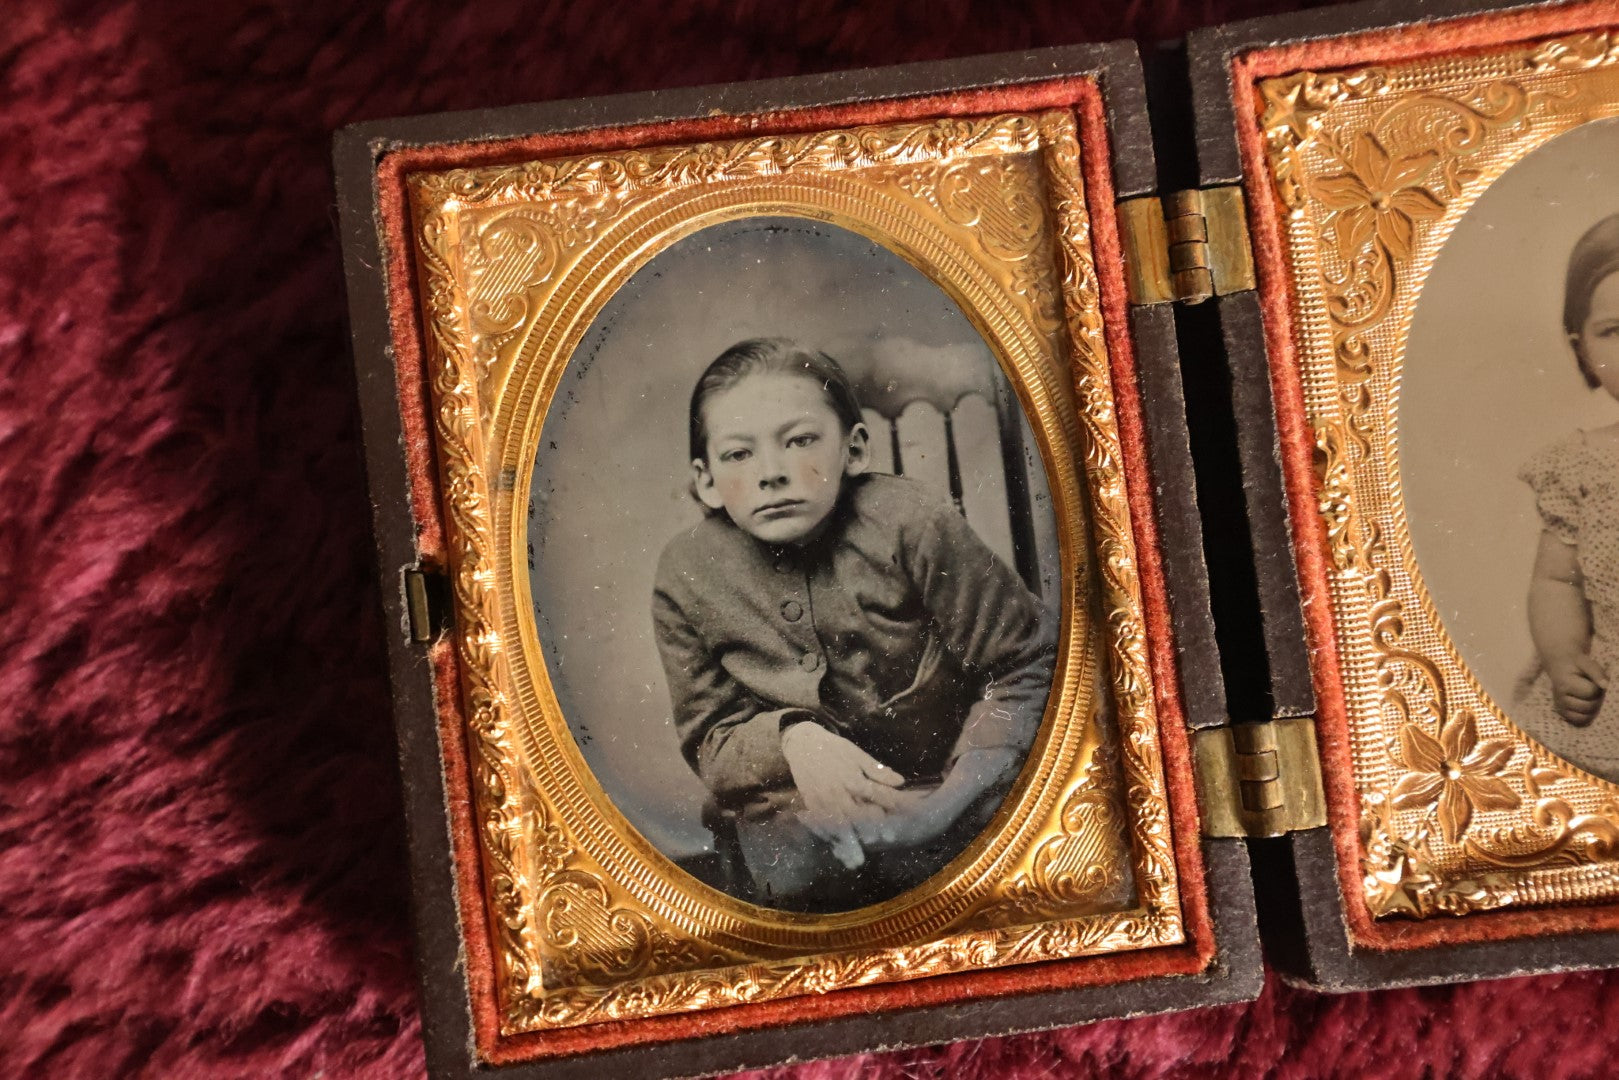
pixel 1599 337
pixel 777 456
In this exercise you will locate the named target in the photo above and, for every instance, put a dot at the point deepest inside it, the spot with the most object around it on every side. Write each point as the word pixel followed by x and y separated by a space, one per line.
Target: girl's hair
pixel 770 356
pixel 1593 259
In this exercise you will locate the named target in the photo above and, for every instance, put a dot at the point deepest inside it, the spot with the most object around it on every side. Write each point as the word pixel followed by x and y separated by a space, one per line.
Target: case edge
pixel 1235 973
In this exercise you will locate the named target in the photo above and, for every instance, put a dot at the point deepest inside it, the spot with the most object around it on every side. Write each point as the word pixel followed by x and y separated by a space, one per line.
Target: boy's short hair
pixel 1594 258
pixel 775 355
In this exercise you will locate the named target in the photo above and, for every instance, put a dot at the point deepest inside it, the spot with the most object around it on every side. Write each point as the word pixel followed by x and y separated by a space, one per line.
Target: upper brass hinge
pixel 1187 246
pixel 1259 779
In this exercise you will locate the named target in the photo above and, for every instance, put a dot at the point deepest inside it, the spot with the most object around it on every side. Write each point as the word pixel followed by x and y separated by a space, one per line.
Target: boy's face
pixel 777 456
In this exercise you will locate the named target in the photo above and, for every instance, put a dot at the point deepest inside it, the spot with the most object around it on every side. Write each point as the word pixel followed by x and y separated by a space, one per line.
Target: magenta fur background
pixel 202 866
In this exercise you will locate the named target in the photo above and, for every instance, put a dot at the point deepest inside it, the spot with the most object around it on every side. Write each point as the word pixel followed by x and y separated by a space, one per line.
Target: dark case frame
pixel 1299 894
pixel 1235 972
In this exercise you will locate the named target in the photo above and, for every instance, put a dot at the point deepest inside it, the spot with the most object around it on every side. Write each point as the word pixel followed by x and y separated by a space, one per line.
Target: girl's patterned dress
pixel 1575 491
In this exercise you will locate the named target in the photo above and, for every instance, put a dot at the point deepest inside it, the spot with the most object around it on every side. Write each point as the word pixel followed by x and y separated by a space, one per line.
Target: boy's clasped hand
pixel 858 805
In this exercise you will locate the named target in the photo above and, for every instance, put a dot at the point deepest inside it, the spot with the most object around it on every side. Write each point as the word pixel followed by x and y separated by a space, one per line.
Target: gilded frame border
pixel 529 846
pixel 1408 147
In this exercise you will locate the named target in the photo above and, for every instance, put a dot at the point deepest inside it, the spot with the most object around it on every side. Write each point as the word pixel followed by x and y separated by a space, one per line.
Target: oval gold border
pixel 600 829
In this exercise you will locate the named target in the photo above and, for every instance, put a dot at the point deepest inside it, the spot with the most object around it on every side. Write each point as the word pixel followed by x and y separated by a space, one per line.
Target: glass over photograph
pixel 794 565
pixel 1509 443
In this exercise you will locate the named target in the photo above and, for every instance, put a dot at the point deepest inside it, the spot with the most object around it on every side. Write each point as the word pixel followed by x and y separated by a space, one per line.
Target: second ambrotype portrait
pixel 1452 228
pixel 1512 451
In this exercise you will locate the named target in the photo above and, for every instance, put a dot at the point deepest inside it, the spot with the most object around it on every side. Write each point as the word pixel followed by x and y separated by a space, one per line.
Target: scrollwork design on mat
pixel 1392 179
pixel 1448 774
pixel 497 773
pixel 507 256
pixel 1078 868
pixel 1401 878
pixel 1124 632
pixel 1556 834
pixel 1578 52
pixel 581 937
pixel 1294 110
pixel 999 199
pixel 821 974
pixel 1370 168
pixel 510 254
pixel 525 222
pixel 571 945
pixel 526 853
pixel 662 168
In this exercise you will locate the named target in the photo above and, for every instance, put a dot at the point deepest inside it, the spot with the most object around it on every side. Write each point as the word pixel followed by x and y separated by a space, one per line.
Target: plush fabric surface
pixel 201 844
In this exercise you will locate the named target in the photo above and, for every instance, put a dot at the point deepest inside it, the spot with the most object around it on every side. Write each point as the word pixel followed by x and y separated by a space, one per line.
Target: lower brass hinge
pixel 1259 779
pixel 1187 246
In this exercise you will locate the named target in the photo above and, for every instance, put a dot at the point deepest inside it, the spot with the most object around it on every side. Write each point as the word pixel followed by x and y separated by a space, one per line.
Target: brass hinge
pixel 1187 246
pixel 1259 779
pixel 419 606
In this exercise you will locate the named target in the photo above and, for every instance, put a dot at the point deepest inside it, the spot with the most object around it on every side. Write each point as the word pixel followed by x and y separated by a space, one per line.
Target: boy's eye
pixel 808 438
pixel 1608 330
pixel 735 455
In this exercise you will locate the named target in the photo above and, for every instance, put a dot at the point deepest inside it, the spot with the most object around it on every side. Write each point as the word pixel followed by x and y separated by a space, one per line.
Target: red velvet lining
pixel 1194 956
pixel 1459 37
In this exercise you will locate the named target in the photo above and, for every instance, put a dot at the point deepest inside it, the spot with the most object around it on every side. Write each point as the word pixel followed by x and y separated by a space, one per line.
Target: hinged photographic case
pixel 904 555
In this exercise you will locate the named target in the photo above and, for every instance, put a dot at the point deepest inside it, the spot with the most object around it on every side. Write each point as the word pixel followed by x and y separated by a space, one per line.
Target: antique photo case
pixel 787 511
pixel 796 646
pixel 1432 196
pixel 808 593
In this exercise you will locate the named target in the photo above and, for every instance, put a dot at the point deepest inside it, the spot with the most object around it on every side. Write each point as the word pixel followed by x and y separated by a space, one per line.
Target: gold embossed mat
pixel 1442 805
pixel 675 946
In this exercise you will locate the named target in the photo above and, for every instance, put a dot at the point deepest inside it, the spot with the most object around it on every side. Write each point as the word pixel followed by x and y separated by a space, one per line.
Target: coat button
pixel 782 566
pixel 810 661
pixel 792 611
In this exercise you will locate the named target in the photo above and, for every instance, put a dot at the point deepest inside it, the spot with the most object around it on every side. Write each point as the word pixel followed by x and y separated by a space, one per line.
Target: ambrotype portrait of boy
pixel 808 465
